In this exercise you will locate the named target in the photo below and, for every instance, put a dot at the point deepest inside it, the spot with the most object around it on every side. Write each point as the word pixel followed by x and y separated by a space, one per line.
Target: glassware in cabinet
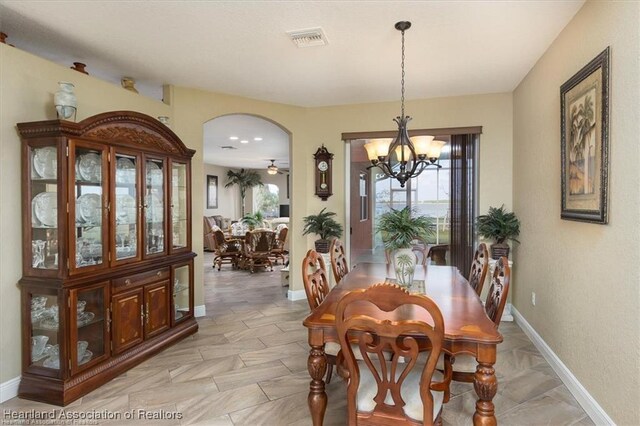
pixel 179 204
pixel 125 201
pixel 90 325
pixel 154 197
pixel 44 330
pixel 88 206
pixel 43 189
pixel 182 291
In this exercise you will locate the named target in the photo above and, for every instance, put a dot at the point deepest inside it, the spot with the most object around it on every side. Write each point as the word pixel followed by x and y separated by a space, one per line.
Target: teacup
pixel 82 349
pixel 38 343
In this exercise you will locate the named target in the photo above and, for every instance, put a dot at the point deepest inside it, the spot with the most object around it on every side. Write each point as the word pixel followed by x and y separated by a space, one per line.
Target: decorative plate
pixel 45 162
pixel 90 167
pixel 154 211
pixel 125 209
pixel 125 171
pixel 154 174
pixel 45 209
pixel 90 207
pixel 85 318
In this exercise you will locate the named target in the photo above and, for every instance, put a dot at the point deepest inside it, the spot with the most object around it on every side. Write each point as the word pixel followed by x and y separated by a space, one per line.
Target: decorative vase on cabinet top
pixel 65 100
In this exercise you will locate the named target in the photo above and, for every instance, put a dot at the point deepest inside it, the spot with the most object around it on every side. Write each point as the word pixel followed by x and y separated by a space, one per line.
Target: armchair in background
pixel 210 225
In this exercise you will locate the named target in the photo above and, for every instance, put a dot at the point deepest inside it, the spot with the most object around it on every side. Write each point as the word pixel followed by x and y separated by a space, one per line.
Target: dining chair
pixel 464 366
pixel 407 389
pixel 479 268
pixel 225 250
pixel 438 254
pixel 316 286
pixel 257 248
pixel 339 265
pixel 278 251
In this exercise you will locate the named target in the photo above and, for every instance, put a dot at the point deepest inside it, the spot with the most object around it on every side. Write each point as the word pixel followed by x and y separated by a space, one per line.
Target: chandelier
pixel 272 169
pixel 403 158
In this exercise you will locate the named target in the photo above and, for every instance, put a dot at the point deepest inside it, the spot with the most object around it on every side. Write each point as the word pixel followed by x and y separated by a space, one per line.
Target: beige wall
pixel 27 84
pixel 228 198
pixel 585 276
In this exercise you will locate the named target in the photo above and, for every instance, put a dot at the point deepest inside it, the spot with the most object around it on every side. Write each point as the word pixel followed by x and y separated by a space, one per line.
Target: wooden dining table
pixel 467 329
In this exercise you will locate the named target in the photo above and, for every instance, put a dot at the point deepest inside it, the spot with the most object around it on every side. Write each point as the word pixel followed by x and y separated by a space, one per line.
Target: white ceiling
pixel 240 47
pixel 252 155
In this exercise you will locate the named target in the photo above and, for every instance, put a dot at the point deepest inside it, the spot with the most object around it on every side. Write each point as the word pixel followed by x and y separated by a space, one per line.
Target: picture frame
pixel 212 192
pixel 584 117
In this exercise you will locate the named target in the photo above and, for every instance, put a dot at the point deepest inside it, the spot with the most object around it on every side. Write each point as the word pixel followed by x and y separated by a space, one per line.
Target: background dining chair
pixel 438 254
pixel 464 366
pixel 225 251
pixel 278 251
pixel 316 286
pixel 339 265
pixel 391 391
pixel 479 268
pixel 257 248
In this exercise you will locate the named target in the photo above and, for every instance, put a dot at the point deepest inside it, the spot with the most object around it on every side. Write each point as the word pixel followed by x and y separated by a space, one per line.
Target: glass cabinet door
pixel 43 186
pixel 182 297
pixel 154 203
pixel 89 326
pixel 179 205
pixel 88 205
pixel 125 203
pixel 45 331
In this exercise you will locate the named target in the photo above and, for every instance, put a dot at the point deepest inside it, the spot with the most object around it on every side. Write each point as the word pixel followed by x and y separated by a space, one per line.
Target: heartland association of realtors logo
pixel 62 416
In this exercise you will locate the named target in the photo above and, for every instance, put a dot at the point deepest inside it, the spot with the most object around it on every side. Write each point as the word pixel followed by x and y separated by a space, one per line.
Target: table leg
pixel 486 385
pixel 317 365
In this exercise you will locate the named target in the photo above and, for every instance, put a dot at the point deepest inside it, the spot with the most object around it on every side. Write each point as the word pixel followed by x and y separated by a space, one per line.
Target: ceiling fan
pixel 272 169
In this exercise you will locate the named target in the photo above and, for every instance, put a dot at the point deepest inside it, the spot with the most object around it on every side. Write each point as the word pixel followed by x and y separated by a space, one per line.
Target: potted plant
pixel 325 226
pixel 398 229
pixel 499 225
pixel 245 179
pixel 253 220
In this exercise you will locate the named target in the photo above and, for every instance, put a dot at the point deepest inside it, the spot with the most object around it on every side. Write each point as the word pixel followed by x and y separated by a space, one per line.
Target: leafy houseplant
pixel 253 220
pixel 499 225
pixel 325 226
pixel 245 179
pixel 398 229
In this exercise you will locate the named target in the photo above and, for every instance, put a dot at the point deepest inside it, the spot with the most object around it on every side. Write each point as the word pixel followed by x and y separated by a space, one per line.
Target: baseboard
pixel 296 295
pixel 584 398
pixel 9 389
pixel 199 311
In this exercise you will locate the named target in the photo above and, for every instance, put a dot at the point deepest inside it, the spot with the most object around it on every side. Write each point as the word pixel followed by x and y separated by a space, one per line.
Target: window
pixel 267 200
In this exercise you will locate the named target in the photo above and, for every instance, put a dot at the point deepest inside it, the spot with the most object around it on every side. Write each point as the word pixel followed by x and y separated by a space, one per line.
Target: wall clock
pixel 323 173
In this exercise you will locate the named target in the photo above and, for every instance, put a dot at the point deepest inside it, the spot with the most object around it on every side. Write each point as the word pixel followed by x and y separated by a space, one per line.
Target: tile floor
pixel 247 366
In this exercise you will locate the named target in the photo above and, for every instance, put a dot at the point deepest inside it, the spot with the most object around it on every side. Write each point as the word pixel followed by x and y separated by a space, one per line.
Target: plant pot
pixel 498 250
pixel 404 263
pixel 323 246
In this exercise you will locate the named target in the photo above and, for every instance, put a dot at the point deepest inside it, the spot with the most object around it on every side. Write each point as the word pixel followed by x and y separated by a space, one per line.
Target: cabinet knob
pixel 158 273
pixel 127 282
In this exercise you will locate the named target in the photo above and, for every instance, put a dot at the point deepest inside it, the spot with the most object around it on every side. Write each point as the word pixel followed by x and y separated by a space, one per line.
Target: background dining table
pixel 467 328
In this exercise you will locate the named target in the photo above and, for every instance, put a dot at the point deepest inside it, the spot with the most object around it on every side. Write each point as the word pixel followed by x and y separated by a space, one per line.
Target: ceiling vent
pixel 308 38
pixel 228 147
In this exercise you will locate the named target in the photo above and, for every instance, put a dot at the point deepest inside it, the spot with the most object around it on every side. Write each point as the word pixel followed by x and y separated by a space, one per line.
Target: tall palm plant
pixel 245 179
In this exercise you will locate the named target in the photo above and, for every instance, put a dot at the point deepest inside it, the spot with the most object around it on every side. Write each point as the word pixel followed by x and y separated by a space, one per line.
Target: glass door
pixel 89 326
pixel 179 206
pixel 44 353
pixel 182 295
pixel 154 206
pixel 88 206
pixel 126 204
pixel 44 178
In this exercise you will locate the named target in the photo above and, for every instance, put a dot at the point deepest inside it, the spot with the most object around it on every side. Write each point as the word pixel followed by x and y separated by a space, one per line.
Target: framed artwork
pixel 584 109
pixel 212 192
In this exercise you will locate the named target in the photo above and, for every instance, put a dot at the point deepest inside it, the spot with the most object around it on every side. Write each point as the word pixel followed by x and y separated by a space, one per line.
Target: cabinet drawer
pixel 125 283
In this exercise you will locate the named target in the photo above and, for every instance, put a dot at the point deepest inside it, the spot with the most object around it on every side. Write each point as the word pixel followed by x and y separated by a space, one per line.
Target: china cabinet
pixel 107 261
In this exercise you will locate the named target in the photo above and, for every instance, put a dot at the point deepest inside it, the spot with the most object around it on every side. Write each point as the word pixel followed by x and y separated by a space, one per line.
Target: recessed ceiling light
pixel 257 139
pixel 233 138
pixel 244 141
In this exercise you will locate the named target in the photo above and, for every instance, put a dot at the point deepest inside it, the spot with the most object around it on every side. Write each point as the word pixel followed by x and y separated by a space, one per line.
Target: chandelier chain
pixel 402 81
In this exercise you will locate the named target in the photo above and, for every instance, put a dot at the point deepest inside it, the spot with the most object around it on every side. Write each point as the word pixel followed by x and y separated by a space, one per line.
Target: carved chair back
pixel 358 324
pixel 339 265
pixel 497 297
pixel 259 242
pixel 314 276
pixel 438 254
pixel 479 268
pixel 281 237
